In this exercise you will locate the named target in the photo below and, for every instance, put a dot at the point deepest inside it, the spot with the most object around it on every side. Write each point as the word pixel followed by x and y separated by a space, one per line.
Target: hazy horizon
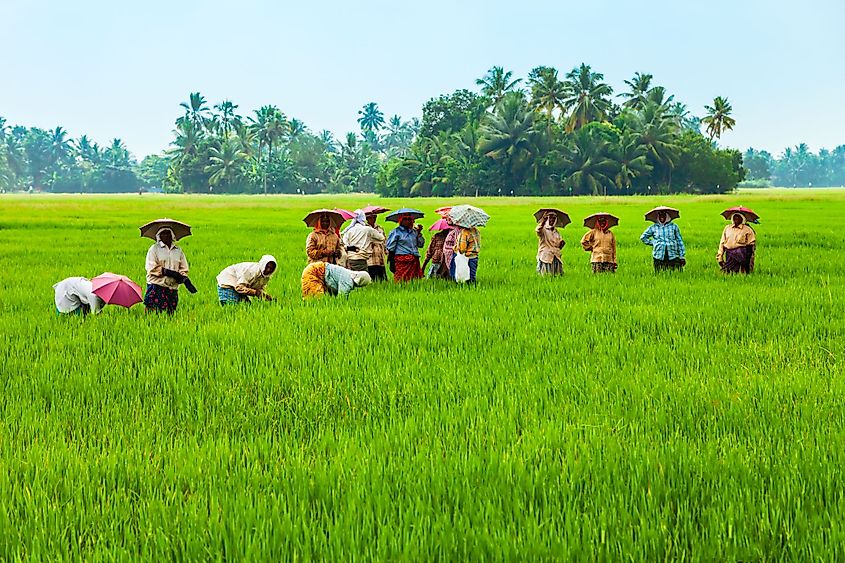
pixel 108 70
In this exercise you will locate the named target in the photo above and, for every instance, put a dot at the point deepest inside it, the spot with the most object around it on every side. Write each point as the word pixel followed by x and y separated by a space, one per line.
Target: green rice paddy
pixel 681 416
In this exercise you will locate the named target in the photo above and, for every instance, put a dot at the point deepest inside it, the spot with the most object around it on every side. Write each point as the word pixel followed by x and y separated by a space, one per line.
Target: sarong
pixel 599 267
pixel 377 273
pixel 407 268
pixel 662 265
pixel 160 299
pixel 356 265
pixel 228 296
pixel 313 280
pixel 438 272
pixel 739 260
pixel 553 269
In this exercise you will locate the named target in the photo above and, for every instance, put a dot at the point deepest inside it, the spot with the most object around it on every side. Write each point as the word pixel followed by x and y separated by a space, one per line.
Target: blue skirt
pixel 228 296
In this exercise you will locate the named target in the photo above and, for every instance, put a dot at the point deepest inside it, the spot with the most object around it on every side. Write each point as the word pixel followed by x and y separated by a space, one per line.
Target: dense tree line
pixel 549 135
pixel 216 149
pixel 796 167
pixel 545 135
pixel 33 158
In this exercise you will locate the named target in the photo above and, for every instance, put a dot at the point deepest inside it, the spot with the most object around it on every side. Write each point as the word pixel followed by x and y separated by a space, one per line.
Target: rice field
pixel 683 416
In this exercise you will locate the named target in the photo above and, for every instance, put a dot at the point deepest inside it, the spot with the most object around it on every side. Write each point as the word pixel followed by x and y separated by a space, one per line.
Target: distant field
pixel 684 416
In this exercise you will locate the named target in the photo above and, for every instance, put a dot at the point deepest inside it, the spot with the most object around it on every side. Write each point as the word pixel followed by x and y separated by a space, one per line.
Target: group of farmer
pixel 363 249
pixel 340 261
pixel 735 255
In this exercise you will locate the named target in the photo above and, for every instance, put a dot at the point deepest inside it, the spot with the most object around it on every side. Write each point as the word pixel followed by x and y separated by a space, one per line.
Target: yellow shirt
pixel 602 245
pixel 734 237
pixel 469 242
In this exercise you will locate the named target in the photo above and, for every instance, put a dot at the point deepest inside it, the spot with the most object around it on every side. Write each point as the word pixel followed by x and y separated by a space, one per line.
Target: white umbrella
pixel 468 216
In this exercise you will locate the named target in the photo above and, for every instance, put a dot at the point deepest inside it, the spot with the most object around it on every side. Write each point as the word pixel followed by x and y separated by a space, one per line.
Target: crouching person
pixel 319 278
pixel 239 282
pixel 75 296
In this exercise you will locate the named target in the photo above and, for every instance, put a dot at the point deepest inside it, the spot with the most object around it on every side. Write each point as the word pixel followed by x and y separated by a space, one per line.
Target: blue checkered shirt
pixel 665 240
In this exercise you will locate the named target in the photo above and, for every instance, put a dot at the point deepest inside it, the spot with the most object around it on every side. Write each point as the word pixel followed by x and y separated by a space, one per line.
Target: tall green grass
pixel 639 417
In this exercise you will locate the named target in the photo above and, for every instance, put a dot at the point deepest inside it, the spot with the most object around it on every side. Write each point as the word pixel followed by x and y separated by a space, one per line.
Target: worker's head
pixel 662 217
pixel 738 219
pixel 361 278
pixel 602 223
pixel 406 221
pixel 165 236
pixel 325 221
pixel 267 264
pixel 371 219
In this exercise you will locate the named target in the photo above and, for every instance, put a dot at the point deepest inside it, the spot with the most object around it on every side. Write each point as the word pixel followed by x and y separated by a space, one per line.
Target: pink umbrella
pixel 115 289
pixel 441 225
pixel 443 211
pixel 375 209
pixel 347 215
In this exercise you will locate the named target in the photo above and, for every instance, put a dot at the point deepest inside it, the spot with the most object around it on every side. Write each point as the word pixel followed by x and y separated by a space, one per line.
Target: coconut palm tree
pixel 328 140
pixel 372 119
pixel 658 133
pixel 718 118
pixel 117 156
pixel 631 157
pixel 225 163
pixel 496 83
pixel 296 127
pixel 399 136
pixel 196 110
pixel 589 169
pixel 227 116
pixel 506 134
pixel 547 91
pixel 639 87
pixel 683 118
pixel 59 145
pixel 87 151
pixel 587 97
pixel 270 126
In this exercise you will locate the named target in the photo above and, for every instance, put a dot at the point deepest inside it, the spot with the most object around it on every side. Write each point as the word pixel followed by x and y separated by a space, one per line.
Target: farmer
pixel 319 278
pixel 358 238
pixel 239 282
pixel 737 246
pixel 167 268
pixel 449 248
pixel 601 244
pixel 323 243
pixel 375 263
pixel 468 243
pixel 434 254
pixel 403 253
pixel 549 245
pixel 75 296
pixel 664 236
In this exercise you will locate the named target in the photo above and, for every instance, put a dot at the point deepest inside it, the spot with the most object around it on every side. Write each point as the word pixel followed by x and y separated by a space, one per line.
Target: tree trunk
pixel 267 165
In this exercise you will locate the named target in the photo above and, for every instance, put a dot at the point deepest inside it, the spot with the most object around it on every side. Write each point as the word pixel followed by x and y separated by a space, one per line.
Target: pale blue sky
pixel 120 68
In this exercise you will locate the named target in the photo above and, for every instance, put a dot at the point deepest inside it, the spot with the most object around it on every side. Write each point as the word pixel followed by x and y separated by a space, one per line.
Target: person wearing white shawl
pixel 75 296
pixel 239 282
pixel 358 238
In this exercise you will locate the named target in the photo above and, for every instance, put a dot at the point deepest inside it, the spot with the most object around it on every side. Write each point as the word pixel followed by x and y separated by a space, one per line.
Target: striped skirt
pixel 553 269
pixel 599 267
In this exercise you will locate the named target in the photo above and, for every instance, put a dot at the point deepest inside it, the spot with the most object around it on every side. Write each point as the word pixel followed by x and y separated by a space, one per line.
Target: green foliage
pixel 630 417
